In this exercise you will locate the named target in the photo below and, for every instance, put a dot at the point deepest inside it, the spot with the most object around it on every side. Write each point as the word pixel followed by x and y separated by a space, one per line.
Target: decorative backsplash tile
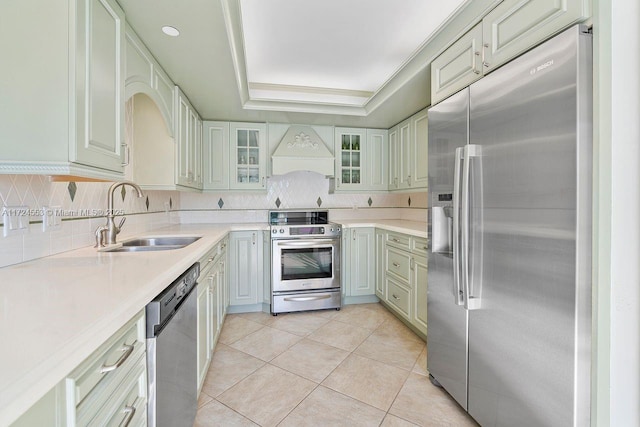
pixel 300 190
pixel 83 206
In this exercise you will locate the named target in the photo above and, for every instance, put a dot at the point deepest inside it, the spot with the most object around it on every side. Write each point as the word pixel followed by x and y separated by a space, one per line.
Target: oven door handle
pixel 308 298
pixel 315 243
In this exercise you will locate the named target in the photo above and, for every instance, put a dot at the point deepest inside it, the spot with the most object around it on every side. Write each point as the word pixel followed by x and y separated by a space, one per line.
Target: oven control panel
pixel 302 231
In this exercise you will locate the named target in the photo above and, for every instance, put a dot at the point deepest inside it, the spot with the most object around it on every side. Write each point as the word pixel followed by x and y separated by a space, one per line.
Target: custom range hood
pixel 301 149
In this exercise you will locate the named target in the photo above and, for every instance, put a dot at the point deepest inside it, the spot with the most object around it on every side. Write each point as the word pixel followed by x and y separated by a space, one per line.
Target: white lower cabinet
pixel 95 389
pixel 380 262
pixel 204 311
pixel 246 268
pixel 362 262
pixel 419 280
pixel 108 388
pixel 212 288
pixel 402 262
pixel 50 410
pixel 358 263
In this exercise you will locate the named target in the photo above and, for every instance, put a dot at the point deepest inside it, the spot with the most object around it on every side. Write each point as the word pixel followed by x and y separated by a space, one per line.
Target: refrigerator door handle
pixel 457 181
pixel 471 284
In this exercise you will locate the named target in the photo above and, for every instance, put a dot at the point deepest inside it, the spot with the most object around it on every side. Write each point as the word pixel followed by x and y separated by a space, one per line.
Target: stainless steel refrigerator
pixel 509 279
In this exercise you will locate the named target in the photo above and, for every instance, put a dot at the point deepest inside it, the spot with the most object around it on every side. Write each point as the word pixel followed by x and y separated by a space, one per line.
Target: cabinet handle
pixel 424 247
pixel 128 349
pixel 395 264
pixel 394 296
pixel 395 240
pixel 127 155
pixel 130 411
pixel 409 180
pixel 354 235
pixel 473 64
pixel 484 46
pixel 253 238
pixel 411 263
pixel 338 180
pixel 263 181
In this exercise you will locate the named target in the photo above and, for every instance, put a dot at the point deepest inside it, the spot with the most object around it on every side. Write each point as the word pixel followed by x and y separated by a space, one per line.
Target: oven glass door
pixel 305 264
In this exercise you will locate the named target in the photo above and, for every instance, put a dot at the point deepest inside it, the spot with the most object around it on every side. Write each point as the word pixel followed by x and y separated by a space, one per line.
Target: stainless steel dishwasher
pixel 171 353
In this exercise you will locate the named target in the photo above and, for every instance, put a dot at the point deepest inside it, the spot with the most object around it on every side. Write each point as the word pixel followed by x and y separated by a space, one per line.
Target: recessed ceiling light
pixel 170 31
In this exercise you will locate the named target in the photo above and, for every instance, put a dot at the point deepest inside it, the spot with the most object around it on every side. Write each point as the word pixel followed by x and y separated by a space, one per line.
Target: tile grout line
pixel 351 352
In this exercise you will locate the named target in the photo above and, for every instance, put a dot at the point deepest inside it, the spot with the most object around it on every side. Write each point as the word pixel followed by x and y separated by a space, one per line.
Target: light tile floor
pixel 359 366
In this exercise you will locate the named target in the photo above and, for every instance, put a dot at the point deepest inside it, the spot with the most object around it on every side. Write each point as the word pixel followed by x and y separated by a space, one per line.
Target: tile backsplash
pixel 82 205
pixel 300 190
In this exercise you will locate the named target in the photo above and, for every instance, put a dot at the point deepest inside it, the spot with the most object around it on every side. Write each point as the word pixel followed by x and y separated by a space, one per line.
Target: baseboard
pixel 363 299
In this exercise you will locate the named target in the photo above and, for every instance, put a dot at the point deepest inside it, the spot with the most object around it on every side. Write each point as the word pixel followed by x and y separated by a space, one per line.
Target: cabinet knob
pixel 395 296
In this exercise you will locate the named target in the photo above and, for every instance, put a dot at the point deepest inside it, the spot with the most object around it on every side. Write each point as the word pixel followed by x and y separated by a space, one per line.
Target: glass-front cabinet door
pixel 350 146
pixel 248 156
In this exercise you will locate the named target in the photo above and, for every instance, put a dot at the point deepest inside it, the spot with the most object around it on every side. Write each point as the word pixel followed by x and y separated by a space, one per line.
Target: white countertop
pixel 56 311
pixel 414 228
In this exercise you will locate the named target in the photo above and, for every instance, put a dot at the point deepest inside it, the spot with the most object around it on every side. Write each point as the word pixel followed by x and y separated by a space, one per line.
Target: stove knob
pixel 282 230
pixel 274 231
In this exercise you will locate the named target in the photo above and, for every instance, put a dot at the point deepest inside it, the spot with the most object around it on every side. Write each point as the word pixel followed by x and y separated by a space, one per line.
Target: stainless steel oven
pixel 305 271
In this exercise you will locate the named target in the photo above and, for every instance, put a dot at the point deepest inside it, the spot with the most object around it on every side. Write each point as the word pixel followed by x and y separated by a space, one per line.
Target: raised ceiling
pixel 332 51
pixel 205 59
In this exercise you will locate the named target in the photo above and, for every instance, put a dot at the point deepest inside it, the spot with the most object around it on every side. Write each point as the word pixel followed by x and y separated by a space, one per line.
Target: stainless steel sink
pixel 150 244
pixel 161 241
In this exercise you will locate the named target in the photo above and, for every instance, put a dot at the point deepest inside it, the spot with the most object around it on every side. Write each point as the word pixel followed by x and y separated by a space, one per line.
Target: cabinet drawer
pixel 401 241
pixel 398 296
pixel 398 263
pixel 99 375
pixel 419 246
pixel 207 261
pixel 129 403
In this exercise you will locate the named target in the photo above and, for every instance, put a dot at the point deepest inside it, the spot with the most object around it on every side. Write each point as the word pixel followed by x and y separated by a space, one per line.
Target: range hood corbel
pixel 301 149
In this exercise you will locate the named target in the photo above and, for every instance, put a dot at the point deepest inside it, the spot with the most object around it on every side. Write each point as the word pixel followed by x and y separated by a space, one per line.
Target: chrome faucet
pixel 107 233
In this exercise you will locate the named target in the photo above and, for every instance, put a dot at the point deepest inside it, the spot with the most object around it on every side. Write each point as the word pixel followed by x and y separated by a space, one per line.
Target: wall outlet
pixel 51 218
pixel 16 220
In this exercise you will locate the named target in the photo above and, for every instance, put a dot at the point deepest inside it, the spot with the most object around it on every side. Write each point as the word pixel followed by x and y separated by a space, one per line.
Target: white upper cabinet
pixel 419 154
pixel 350 158
pixel 394 162
pixel 63 64
pixel 248 156
pixel 404 154
pixel 377 163
pixel 511 28
pixel 408 142
pixel 458 66
pixel 515 26
pixel 188 134
pixel 215 155
pixel 144 75
pixel 361 159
